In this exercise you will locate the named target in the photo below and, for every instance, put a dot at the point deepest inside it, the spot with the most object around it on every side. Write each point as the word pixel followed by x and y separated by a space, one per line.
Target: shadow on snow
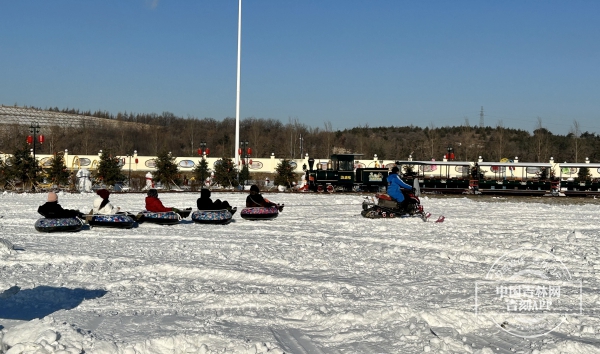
pixel 41 301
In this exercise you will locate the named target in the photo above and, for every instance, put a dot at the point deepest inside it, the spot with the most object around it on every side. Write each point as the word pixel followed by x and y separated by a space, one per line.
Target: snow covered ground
pixel 318 279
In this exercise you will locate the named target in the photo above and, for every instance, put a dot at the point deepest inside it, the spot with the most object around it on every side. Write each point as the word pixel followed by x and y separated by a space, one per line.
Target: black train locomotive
pixel 340 174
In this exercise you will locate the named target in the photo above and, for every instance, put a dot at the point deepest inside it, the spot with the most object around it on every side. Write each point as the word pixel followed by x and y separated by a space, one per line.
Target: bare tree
pixel 540 135
pixel 328 136
pixel 500 136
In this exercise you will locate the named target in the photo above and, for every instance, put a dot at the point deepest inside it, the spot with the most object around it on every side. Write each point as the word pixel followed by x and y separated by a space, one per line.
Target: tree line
pixel 182 136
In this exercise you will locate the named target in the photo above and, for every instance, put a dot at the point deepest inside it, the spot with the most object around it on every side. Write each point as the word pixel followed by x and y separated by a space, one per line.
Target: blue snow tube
pixel 122 221
pixel 58 224
pixel 212 216
pixel 161 218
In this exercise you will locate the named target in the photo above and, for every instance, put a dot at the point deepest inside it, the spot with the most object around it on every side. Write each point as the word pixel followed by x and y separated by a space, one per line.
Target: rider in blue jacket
pixel 394 184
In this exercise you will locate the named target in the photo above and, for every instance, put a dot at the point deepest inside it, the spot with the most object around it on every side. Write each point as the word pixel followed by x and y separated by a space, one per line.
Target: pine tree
pixel 109 169
pixel 201 171
pixel 284 174
pixel 58 173
pixel 583 174
pixel 244 174
pixel 226 173
pixel 22 167
pixel 166 169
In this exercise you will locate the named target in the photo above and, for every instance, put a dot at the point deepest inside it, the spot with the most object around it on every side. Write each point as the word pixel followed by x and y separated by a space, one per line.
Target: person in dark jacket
pixel 205 203
pixel 51 209
pixel 255 199
pixel 154 204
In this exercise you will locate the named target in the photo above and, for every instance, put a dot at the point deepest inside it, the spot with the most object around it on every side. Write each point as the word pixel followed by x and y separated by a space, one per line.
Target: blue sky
pixel 348 62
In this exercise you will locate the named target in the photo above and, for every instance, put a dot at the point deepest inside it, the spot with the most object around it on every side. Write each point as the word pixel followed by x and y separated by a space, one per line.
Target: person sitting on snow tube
pixel 394 185
pixel 52 210
pixel 154 204
pixel 205 203
pixel 102 205
pixel 255 199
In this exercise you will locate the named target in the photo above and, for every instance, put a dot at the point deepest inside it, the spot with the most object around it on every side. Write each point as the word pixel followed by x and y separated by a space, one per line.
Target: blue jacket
pixel 394 184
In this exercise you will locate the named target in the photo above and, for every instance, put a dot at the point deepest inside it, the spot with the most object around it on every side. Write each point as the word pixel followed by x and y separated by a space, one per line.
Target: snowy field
pixel 318 279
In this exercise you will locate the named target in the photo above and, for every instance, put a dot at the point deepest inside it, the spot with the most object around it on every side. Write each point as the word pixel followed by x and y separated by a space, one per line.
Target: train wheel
pixel 320 188
pixel 330 188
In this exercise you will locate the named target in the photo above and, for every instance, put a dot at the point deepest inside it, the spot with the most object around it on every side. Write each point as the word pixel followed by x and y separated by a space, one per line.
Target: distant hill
pixel 26 116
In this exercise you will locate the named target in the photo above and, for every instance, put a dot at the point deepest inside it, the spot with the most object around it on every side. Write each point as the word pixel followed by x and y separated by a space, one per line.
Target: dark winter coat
pixel 257 200
pixel 205 203
pixel 54 210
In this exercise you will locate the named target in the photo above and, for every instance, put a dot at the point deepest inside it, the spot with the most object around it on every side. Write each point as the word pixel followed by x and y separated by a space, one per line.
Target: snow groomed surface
pixel 318 279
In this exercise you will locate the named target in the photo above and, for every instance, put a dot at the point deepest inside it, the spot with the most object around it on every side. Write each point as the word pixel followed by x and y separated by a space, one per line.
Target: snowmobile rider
pixel 394 185
pixel 102 205
pixel 154 204
pixel 205 203
pixel 255 199
pixel 51 209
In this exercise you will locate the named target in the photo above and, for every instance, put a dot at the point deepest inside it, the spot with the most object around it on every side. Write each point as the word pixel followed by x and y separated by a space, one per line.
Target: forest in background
pixel 182 136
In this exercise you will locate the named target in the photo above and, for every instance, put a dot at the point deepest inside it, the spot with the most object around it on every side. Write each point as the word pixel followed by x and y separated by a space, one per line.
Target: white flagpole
pixel 237 105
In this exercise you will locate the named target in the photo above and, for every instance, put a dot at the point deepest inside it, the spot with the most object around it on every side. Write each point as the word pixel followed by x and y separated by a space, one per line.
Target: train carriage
pixel 342 174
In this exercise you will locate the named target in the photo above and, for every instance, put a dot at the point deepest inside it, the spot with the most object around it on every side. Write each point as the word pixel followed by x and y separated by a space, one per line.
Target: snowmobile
pixel 384 206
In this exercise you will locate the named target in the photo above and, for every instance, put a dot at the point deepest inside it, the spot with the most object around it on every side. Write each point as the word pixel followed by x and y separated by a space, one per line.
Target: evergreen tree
pixel 109 169
pixel 226 173
pixel 58 173
pixel 201 171
pixel 166 169
pixel 244 174
pixel 22 167
pixel 284 174
pixel 3 173
pixel 583 174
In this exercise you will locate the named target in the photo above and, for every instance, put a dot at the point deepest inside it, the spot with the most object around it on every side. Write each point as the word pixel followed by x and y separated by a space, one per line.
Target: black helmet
pixel 254 188
pixel 152 193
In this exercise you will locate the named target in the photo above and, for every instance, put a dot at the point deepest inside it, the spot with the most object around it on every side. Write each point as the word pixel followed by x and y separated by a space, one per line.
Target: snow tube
pixel 161 218
pixel 58 224
pixel 260 213
pixel 116 220
pixel 212 216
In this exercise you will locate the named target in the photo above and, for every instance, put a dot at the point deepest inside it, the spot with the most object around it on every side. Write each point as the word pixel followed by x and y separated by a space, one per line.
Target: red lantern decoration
pixel 249 151
pixel 250 162
pixel 207 151
pixel 136 161
pixel 199 151
pixel 29 139
pixel 239 151
pixel 41 139
pixel 451 156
